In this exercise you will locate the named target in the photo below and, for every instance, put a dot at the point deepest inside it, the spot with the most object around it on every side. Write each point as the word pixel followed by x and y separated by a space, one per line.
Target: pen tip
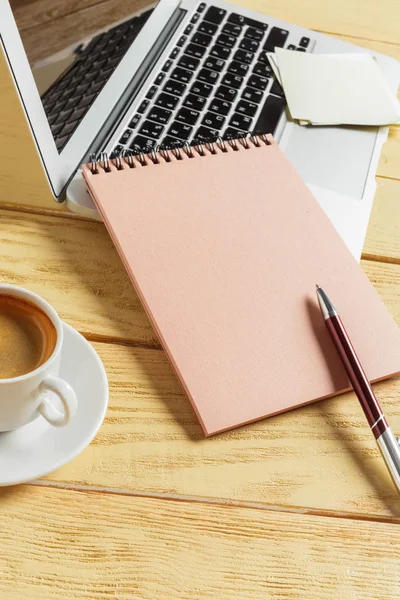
pixel 317 286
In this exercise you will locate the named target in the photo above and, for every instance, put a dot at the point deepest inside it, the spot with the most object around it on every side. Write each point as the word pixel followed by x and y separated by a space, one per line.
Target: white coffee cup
pixel 25 397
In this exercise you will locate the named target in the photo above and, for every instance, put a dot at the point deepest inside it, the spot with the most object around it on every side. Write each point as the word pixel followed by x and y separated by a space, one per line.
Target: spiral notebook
pixel 225 244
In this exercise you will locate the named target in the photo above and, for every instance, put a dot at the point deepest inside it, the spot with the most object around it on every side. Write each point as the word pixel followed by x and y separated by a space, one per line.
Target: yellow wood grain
pixel 63 545
pixel 321 457
pixel 383 236
pixel 73 264
pixel 22 178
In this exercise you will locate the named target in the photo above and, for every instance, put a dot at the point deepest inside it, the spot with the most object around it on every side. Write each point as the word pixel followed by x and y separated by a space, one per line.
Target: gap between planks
pixel 221 502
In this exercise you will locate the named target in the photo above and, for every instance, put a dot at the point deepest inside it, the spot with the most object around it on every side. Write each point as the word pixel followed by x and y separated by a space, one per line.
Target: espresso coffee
pixel 27 337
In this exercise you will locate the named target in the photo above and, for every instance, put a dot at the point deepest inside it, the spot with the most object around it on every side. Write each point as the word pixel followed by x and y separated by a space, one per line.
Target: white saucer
pixel 39 448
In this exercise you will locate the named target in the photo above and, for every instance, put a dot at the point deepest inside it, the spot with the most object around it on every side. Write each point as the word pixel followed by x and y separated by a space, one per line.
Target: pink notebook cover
pixel 225 251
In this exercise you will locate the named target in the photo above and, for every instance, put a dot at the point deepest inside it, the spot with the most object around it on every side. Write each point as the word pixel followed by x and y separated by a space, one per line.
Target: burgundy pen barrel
pixel 357 377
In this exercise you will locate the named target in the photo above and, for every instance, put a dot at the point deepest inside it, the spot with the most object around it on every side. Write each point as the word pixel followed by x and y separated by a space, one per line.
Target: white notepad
pixel 336 89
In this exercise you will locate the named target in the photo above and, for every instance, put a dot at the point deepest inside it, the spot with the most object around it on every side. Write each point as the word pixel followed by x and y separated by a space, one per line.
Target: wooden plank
pixel 59 544
pixel 55 35
pixel 73 264
pixel 32 13
pixel 383 236
pixel 320 458
pixel 356 18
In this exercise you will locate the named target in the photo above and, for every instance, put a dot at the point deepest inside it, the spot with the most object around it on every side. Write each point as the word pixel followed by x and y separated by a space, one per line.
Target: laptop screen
pixel 72 57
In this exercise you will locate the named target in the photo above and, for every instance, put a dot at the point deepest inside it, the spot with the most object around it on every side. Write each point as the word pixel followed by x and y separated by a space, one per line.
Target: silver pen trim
pixel 389 446
pixel 326 306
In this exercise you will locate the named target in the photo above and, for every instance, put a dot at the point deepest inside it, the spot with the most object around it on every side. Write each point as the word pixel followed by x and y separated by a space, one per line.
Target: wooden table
pixel 297 506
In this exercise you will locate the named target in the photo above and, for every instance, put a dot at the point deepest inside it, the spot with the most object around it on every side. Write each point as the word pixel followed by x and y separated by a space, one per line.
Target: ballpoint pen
pixel 388 444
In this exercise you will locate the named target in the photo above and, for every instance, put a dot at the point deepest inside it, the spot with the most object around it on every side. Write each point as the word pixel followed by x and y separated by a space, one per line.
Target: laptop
pixel 185 72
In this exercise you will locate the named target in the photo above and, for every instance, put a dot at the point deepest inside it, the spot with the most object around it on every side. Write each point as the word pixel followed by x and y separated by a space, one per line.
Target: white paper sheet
pixel 335 89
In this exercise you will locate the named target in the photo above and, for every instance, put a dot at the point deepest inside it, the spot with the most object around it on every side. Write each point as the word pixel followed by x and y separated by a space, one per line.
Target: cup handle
pixel 67 396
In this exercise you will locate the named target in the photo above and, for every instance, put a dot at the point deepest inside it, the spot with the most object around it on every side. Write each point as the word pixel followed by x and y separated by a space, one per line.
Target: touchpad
pixel 336 158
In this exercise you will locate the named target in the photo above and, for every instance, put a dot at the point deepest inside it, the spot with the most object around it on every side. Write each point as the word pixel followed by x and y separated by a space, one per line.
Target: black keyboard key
pixel 167 65
pixel 230 132
pixel 201 89
pixel 204 134
pixel 215 64
pixel 263 58
pixel 226 40
pixel 241 122
pixel 188 62
pixel 252 95
pixel 262 69
pixel 195 50
pixel 116 152
pixel 182 75
pixel 220 52
pixel 160 115
pixel 181 41
pixel 276 37
pixel 258 82
pixel 221 107
pixel 143 143
pixel 240 20
pixel 254 34
pixel 195 102
pixel 171 142
pixel 201 7
pixel 270 114
pixel 208 28
pixel 215 15
pixel 188 29
pixel 159 79
pixel 125 137
pixel 249 45
pixel 174 87
pixel 238 68
pixel 213 121
pixel 291 47
pixel 143 106
pixel 232 80
pixel 188 116
pixel 226 93
pixel 152 91
pixel 300 49
pixel 304 42
pixel 167 101
pixel 246 108
pixel 174 53
pixel 244 56
pixel 152 130
pixel 277 89
pixel 201 39
pixel 195 18
pixel 231 29
pixel 208 76
pixel 180 130
pixel 135 121
pixel 236 19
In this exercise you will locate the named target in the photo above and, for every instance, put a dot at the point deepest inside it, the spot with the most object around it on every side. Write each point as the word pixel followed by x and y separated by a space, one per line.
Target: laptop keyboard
pixel 67 101
pixel 217 81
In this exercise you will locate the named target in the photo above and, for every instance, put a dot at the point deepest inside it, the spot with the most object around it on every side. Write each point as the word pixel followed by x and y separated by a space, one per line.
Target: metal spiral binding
pixel 153 156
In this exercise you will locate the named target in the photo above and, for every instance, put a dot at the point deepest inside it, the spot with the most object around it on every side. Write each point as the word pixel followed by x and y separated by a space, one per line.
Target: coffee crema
pixel 27 337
